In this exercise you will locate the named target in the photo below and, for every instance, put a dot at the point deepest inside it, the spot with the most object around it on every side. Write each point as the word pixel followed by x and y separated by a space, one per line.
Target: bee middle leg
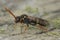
pixel 26 27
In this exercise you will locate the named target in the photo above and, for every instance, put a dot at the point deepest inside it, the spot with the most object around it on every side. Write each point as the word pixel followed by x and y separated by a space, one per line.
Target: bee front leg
pixel 14 27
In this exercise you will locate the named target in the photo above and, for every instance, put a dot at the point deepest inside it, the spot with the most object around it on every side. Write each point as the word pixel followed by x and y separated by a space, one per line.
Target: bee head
pixel 17 19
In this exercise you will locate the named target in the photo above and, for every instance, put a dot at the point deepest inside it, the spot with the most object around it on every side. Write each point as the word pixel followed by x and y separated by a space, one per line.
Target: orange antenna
pixel 10 12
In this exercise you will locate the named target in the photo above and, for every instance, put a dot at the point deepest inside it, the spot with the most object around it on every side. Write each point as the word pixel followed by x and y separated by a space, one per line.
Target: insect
pixel 29 20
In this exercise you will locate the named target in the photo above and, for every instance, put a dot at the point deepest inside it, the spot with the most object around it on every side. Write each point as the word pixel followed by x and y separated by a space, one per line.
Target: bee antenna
pixel 10 12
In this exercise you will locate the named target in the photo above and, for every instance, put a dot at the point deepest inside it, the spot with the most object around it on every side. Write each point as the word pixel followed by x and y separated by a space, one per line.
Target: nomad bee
pixel 29 20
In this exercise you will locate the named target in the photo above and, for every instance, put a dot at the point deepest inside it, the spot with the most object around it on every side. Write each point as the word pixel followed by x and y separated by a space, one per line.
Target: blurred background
pixel 45 9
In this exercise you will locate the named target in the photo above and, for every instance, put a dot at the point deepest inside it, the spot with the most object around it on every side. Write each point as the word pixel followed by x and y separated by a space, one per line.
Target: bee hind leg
pixel 42 27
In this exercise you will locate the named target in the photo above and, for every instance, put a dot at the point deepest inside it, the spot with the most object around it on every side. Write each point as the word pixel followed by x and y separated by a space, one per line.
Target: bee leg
pixel 22 27
pixel 14 27
pixel 43 28
pixel 26 27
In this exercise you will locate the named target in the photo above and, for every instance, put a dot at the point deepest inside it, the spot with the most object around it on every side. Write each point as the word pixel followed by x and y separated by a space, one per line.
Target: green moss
pixel 35 10
pixel 56 22
pixel 29 9
pixel 45 13
pixel 2 31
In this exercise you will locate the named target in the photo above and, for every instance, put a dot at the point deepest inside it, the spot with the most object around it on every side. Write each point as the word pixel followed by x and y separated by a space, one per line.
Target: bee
pixel 29 20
